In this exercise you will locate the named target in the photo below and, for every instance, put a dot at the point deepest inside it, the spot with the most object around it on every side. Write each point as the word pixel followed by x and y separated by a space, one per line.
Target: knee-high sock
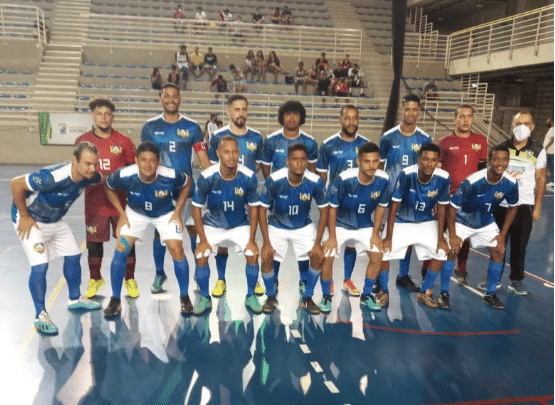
pixel 252 275
pixel 221 262
pixel 130 264
pixel 193 244
pixel 159 252
pixel 429 281
pixel 269 283
pixel 446 272
pixel 349 259
pixel 117 272
pixel 37 286
pixel 276 265
pixel 404 264
pixel 462 257
pixel 311 280
pixel 326 286
pixel 383 278
pixel 95 253
pixel 72 274
pixel 303 269
pixel 368 286
pixel 203 275
pixel 181 269
pixel 494 275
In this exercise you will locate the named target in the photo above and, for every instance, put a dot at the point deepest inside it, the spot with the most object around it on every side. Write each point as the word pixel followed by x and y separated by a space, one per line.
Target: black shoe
pixel 492 300
pixel 186 305
pixel 376 289
pixel 113 308
pixel 310 306
pixel 461 276
pixel 270 305
pixel 407 283
pixel 276 286
pixel 443 301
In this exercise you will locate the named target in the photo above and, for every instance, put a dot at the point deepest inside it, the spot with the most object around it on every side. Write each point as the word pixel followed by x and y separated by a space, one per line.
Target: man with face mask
pixel 528 166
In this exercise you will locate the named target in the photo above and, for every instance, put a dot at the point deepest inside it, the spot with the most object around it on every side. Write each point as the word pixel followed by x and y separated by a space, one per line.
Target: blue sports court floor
pixel 406 354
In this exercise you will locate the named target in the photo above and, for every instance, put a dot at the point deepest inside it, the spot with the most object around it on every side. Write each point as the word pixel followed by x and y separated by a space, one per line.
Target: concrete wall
pixel 20 55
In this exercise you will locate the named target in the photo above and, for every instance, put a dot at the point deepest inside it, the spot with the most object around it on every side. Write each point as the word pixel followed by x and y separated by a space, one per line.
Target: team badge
pixel 39 247
pixel 183 133
pixel 416 147
pixel 251 146
pixel 239 191
pixel 499 195
pixel 37 180
pixel 432 193
pixel 304 196
pixel 476 146
pixel 375 195
pixel 116 150
pixel 161 193
pixel 92 230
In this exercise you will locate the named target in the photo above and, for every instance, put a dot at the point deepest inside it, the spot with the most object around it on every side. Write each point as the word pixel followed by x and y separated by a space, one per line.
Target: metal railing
pixel 22 23
pixel 425 47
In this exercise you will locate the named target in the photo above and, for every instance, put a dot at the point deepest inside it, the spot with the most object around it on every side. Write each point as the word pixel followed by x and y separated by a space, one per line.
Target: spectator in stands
pixel 548 145
pixel 429 91
pixel 219 85
pixel 250 65
pixel 178 17
pixel 200 17
pixel 337 75
pixel 300 77
pixel 321 61
pixel 341 89
pixel 273 65
pixel 221 18
pixel 355 76
pixel 239 82
pixel 312 77
pixel 196 62
pixel 237 30
pixel 258 18
pixel 286 16
pixel 324 82
pixel 156 79
pixel 227 15
pixel 211 127
pixel 210 64
pixel 260 66
pixel 182 59
pixel 346 62
pixel 276 16
pixel 173 76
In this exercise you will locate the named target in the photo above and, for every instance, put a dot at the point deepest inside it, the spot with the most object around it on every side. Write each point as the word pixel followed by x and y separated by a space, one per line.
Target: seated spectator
pixel 260 65
pixel 210 64
pixel 355 79
pixel 312 77
pixel 196 61
pixel 321 61
pixel 338 74
pixel 250 65
pixel 341 89
pixel 429 91
pixel 173 76
pixel 258 18
pixel 346 63
pixel 237 30
pixel 276 16
pixel 221 18
pixel 182 59
pixel 227 15
pixel 324 82
pixel 178 17
pixel 200 17
pixel 286 16
pixel 273 65
pixel 156 79
pixel 219 85
pixel 239 82
pixel 300 77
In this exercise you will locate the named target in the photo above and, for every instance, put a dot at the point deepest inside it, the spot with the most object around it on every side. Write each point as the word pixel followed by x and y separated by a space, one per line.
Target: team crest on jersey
pixel 476 146
pixel 304 196
pixel 160 193
pixel 416 147
pixel 92 230
pixel 116 150
pixel 432 193
pixel 375 195
pixel 183 133
pixel 239 191
pixel 499 195
pixel 251 146
pixel 37 180
pixel 39 247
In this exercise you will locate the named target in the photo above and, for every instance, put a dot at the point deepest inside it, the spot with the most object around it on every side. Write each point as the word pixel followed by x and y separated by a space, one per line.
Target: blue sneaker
pixel 157 284
pixel 203 305
pixel 251 302
pixel 325 305
pixel 369 302
pixel 83 303
pixel 44 324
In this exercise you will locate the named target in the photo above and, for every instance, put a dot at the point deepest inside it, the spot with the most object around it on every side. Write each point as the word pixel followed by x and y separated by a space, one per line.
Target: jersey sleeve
pixel 384 148
pixel 201 192
pixel 145 133
pixel 40 181
pixel 512 196
pixel 252 191
pixel 385 195
pixel 198 135
pixel 541 161
pixel 180 180
pixel 444 196
pixel 334 191
pixel 212 149
pixel 400 185
pixel 115 182
pixel 313 152
pixel 266 198
pixel 320 194
pixel 458 198
pixel 267 154
pixel 258 158
pixel 323 159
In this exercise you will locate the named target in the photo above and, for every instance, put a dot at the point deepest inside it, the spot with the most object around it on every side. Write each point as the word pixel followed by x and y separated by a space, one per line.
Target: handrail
pixel 22 23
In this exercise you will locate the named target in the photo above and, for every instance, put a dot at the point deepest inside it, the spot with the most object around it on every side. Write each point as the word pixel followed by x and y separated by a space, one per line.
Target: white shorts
pixel 422 236
pixel 139 223
pixel 357 238
pixel 302 240
pixel 478 237
pixel 187 213
pixel 48 242
pixel 236 238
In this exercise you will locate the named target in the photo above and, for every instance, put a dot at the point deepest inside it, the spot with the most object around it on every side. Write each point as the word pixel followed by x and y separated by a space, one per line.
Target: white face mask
pixel 521 133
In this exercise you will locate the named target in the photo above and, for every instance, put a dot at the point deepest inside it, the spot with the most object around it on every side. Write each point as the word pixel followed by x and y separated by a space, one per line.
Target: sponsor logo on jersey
pixel 183 133
pixel 92 230
pixel 216 192
pixel 304 196
pixel 283 197
pixel 159 132
pixel 116 150
pixel 416 147
pixel 280 150
pixel 251 146
pixel 476 146
pixel 39 247
pixel 352 195
pixel 396 146
pixel 456 147
pixel 375 195
pixel 432 193
pixel 239 191
pixel 499 195
pixel 338 152
pixel 160 193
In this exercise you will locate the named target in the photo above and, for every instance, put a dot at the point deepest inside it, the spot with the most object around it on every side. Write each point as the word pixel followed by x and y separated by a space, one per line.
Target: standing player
pixel 354 195
pixel 291 116
pixel 40 200
pixel 250 152
pixel 114 151
pixel 471 216
pixel 223 191
pixel 149 188
pixel 288 194
pixel 399 149
pixel 338 153
pixel 411 221
pixel 176 136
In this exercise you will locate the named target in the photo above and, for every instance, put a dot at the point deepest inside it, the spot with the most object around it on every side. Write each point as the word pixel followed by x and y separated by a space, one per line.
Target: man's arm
pixel 203 247
pixel 183 194
pixel 440 216
pixel 265 170
pixel 393 208
pixel 203 159
pixel 375 239
pixel 253 221
pixel 330 246
pixel 538 193
pixel 26 222
pixel 454 241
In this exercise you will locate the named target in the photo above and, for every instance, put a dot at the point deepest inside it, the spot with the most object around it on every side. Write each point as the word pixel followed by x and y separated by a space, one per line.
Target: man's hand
pixel 316 254
pixel 330 247
pixel 375 240
pixel 456 244
pixel 268 252
pixel 203 249
pixel 386 245
pixel 176 217
pixel 252 249
pixel 537 213
pixel 25 225
pixel 500 247
pixel 442 245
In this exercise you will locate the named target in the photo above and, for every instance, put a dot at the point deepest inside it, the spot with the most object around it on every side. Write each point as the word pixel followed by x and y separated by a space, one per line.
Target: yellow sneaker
pixel 94 286
pixel 131 286
pixel 258 290
pixel 219 290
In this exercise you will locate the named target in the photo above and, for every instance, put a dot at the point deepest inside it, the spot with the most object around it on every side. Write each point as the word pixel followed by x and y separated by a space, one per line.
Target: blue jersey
pixel 175 141
pixel 398 151
pixel 250 146
pixel 355 202
pixel 226 200
pixel 52 192
pixel 274 151
pixel 418 199
pixel 290 205
pixel 337 155
pixel 150 199
pixel 476 199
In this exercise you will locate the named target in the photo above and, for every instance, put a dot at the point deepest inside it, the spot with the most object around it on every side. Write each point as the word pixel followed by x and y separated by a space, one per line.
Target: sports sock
pixel 349 259
pixel 94 259
pixel 130 264
pixel 383 279
pixel 221 263
pixel 276 265
pixel 203 274
pixel 404 264
pixel 368 286
pixel 193 240
pixel 117 272
pixel 37 286
pixel 159 253
pixel 326 286
pixel 252 276
pixel 269 283
pixel 429 281
pixel 494 275
pixel 462 257
pixel 446 272
pixel 181 269
pixel 303 269
pixel 72 274
pixel 311 279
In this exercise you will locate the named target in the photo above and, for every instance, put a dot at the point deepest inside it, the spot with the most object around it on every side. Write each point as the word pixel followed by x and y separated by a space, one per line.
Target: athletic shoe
pixel 203 305
pixel 325 305
pixel 44 324
pixel 518 287
pixel 94 286
pixel 276 286
pixel 219 290
pixel 492 300
pixel 186 306
pixel 368 301
pixel 376 289
pixel 461 276
pixel 270 305
pixel 349 286
pixel 302 287
pixel 83 303
pixel 443 301
pixel 131 286
pixel 157 284
pixel 113 308
pixel 251 302
pixel 426 299
pixel 407 283
pixel 382 298
pixel 483 286
pixel 309 305
pixel 258 290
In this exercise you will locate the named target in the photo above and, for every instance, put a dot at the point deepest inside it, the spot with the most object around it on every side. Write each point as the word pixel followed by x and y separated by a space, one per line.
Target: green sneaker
pixel 157 284
pixel 203 305
pixel 518 287
pixel 302 287
pixel 44 324
pixel 325 305
pixel 83 303
pixel 252 303
pixel 369 302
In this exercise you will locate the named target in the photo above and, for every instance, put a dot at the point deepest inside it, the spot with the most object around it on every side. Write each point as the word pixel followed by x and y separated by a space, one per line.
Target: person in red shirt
pixel 115 150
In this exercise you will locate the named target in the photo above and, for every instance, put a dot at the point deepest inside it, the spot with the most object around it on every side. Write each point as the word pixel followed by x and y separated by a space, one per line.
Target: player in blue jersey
pixel 338 153
pixel 411 221
pixel 354 195
pixel 471 216
pixel 250 152
pixel 176 136
pixel 149 188
pixel 399 148
pixel 291 116
pixel 288 194
pixel 40 200
pixel 223 191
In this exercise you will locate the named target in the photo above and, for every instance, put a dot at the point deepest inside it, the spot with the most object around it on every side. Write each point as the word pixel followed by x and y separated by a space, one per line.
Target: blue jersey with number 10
pixel 274 151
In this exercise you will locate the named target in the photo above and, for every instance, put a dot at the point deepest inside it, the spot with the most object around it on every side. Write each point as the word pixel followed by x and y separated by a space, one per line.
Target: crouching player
pixel 288 194
pixel 149 188
pixel 354 195
pixel 471 216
